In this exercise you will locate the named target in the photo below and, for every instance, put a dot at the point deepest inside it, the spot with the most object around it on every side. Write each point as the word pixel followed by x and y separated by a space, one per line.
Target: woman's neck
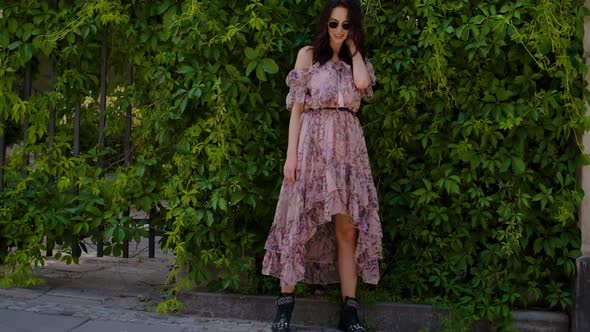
pixel 335 49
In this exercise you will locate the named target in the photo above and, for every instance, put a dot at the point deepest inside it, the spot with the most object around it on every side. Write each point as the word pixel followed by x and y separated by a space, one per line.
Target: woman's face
pixel 338 34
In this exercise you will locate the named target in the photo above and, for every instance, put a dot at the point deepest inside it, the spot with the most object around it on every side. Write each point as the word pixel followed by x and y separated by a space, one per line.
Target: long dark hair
pixel 322 52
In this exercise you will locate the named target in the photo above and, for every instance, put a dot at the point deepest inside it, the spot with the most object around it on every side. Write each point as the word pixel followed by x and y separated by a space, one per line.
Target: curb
pixel 389 317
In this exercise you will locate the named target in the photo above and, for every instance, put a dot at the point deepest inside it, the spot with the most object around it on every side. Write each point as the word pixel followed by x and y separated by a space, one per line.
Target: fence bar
pixel 103 95
pixel 101 121
pixel 127 145
pixel 26 96
pixel 2 151
pixel 76 252
pixel 125 248
pixel 51 133
pixel 128 120
pixel 2 157
pixel 152 241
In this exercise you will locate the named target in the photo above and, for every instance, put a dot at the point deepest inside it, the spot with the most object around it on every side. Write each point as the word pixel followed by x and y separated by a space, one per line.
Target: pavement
pixel 107 294
pixel 113 294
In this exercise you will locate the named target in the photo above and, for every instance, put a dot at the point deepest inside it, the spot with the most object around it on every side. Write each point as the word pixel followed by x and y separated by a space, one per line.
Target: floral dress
pixel 333 176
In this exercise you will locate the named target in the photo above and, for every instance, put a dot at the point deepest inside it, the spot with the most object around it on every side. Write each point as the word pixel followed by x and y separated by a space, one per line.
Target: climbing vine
pixel 473 138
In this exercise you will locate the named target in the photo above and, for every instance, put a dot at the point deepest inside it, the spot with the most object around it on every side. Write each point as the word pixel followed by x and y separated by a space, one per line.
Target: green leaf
pixel 269 66
pixel 236 197
pixel 518 165
pixel 250 53
pixel 108 233
pixel 14 45
pixel 251 66
pixel 222 204
pixel 478 19
pixel 210 218
pixel 12 25
pixel 505 165
pixel 186 70
pixel 260 74
pixel 461 118
pixel 4 39
pixel 200 214
pixel 140 170
pixel 77 227
pixel 160 9
pixel 503 94
pixel 488 98
pixel 27 52
pixel 119 234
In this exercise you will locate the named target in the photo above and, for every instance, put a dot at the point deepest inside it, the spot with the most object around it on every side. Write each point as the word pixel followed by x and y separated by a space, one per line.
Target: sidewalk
pixel 120 295
pixel 107 294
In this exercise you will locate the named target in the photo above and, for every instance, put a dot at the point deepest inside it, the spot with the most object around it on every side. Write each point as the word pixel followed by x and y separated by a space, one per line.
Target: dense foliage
pixel 472 135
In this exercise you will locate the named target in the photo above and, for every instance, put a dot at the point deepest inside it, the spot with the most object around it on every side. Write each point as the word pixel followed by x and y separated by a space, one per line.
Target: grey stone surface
pixel 125 292
pixel 313 312
pixel 404 317
pixel 19 321
pixel 581 308
pixel 381 317
pixel 105 326
pixel 17 316
pixel 21 293
pixel 65 299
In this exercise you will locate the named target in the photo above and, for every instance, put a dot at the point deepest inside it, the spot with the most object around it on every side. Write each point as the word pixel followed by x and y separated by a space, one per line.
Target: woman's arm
pixel 294 129
pixel 360 74
pixel 304 59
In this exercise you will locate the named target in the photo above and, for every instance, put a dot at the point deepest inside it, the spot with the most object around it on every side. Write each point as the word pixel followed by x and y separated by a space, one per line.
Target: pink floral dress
pixel 333 176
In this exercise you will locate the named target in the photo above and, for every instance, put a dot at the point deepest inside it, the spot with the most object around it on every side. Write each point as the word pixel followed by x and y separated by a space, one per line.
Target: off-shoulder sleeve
pixel 297 80
pixel 368 91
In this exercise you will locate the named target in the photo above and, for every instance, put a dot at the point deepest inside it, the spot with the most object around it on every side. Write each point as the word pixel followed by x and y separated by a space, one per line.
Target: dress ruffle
pixel 333 177
pixel 318 85
pixel 297 82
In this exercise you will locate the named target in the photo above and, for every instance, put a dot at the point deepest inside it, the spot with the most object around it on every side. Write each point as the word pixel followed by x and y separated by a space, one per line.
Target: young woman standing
pixel 326 227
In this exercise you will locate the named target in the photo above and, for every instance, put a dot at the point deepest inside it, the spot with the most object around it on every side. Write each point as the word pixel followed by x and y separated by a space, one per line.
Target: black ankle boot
pixel 349 320
pixel 285 304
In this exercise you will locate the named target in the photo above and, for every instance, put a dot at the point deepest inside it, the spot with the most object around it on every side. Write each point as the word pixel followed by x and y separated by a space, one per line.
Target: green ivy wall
pixel 473 138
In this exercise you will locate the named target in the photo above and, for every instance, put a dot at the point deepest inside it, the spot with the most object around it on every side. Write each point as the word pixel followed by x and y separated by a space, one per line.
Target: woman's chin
pixel 337 41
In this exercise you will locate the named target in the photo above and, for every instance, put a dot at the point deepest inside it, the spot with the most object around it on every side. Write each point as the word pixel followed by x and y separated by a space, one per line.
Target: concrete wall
pixel 585 172
pixel 581 306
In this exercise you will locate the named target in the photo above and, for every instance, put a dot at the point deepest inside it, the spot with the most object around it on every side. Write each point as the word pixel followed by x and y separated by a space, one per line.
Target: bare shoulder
pixel 304 57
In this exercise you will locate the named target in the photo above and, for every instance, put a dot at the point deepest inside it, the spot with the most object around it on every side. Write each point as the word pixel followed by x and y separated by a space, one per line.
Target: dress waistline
pixel 341 109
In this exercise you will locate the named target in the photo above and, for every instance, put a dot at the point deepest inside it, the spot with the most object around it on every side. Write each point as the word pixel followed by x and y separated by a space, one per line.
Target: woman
pixel 326 227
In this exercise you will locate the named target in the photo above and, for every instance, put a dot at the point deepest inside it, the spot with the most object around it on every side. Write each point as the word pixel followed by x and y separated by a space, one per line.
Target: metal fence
pixel 26 93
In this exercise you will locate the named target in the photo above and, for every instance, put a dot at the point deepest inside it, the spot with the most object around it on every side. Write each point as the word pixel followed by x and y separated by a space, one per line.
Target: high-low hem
pixel 333 177
pixel 312 257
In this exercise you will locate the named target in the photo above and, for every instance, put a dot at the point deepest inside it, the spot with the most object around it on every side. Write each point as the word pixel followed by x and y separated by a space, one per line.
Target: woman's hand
pixel 290 169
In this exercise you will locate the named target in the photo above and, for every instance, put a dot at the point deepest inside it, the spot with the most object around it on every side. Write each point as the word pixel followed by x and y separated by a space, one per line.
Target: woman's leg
pixel 285 303
pixel 346 236
pixel 287 289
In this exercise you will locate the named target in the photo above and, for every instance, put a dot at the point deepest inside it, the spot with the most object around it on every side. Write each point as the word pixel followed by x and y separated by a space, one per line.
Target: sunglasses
pixel 334 25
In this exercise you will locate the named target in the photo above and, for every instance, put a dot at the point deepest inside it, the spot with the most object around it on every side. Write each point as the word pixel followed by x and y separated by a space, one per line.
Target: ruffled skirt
pixel 333 177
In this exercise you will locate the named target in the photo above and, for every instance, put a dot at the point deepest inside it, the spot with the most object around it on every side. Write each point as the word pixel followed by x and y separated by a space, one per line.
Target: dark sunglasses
pixel 334 25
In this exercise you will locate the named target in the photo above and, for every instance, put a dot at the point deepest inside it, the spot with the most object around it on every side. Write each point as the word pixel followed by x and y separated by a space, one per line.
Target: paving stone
pixel 48 298
pixel 124 292
pixel 102 326
pixel 19 321
pixel 20 293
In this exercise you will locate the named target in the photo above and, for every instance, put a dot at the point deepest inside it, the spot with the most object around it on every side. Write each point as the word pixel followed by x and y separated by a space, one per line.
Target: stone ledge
pixel 580 312
pixel 391 317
